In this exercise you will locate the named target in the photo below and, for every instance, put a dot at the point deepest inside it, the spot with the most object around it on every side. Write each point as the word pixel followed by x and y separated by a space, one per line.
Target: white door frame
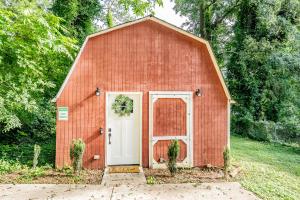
pixel 141 122
pixel 187 97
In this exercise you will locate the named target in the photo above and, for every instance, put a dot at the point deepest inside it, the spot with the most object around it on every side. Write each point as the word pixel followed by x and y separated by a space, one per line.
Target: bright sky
pixel 168 14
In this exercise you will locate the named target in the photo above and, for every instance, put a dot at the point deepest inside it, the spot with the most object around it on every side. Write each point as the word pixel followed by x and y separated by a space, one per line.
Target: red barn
pixel 134 88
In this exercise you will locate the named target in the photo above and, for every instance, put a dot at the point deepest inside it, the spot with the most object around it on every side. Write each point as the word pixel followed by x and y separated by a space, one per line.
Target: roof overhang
pixel 159 21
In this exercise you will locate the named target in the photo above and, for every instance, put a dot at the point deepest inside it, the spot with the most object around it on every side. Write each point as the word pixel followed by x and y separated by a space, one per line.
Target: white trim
pixel 220 76
pixel 187 97
pixel 170 92
pixel 141 124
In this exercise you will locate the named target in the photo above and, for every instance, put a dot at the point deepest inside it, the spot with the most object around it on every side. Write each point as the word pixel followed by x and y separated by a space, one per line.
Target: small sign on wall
pixel 63 113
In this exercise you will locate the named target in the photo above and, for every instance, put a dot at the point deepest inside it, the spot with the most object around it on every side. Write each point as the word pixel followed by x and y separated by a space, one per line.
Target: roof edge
pixel 157 20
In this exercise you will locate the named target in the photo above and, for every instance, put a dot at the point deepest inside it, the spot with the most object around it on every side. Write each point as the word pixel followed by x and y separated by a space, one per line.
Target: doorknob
pixel 109 135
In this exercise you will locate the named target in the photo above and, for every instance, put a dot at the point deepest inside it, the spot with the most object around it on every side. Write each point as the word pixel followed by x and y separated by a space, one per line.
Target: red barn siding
pixel 161 148
pixel 169 117
pixel 142 57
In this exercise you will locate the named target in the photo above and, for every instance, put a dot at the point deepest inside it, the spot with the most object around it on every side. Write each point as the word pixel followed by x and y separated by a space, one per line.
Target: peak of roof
pixel 159 21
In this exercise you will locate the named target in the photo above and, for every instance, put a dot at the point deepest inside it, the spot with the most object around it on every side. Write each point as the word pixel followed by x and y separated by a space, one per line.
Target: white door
pixel 123 132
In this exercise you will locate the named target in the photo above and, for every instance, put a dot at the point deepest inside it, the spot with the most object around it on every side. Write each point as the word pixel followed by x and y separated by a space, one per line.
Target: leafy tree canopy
pixel 34 53
pixel 257 44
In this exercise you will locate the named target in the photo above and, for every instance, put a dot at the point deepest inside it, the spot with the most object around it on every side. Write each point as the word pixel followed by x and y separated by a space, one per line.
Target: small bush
pixel 76 154
pixel 10 166
pixel 173 152
pixel 36 154
pixel 150 180
pixel 226 158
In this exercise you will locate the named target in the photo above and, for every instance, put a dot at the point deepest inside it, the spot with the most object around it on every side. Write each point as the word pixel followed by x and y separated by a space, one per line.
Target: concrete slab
pixel 207 191
pixel 204 191
pixel 53 191
pixel 117 179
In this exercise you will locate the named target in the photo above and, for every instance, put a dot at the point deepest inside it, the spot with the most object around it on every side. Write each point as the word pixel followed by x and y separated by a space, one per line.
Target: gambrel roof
pixel 159 21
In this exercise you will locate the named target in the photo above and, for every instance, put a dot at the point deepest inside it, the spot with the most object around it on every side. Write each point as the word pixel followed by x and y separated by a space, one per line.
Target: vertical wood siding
pixel 143 57
pixel 169 116
pixel 160 150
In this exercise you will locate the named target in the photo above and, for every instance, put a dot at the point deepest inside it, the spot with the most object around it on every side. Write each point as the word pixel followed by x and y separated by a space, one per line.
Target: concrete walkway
pixel 117 179
pixel 213 191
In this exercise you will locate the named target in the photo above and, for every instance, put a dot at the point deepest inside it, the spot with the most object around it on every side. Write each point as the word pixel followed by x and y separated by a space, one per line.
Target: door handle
pixel 109 135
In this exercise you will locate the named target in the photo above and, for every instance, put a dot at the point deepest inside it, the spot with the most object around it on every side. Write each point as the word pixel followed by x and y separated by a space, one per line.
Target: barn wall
pixel 143 57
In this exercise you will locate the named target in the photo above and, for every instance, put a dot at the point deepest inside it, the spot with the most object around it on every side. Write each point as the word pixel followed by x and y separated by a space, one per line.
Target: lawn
pixel 271 171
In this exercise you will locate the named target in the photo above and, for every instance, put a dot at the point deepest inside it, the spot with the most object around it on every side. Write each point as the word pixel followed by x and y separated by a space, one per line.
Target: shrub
pixel 226 158
pixel 76 154
pixel 23 153
pixel 150 180
pixel 10 166
pixel 36 154
pixel 173 151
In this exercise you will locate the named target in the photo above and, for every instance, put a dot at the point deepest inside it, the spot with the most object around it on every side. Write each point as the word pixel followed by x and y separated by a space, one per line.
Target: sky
pixel 168 14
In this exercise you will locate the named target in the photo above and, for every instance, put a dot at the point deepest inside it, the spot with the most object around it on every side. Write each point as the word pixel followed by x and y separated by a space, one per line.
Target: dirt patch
pixel 53 176
pixel 190 175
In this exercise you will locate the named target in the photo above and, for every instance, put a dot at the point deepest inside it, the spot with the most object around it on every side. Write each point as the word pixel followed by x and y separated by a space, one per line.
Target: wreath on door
pixel 123 105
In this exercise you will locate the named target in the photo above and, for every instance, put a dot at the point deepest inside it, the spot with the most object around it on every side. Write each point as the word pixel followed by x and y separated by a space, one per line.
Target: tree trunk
pixel 202 21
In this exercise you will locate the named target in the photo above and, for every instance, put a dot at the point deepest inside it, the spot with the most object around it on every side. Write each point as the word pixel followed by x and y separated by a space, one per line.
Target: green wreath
pixel 123 105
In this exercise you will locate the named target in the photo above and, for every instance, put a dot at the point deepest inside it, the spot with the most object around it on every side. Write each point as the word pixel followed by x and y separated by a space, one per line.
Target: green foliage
pixel 23 153
pixel 150 180
pixel 109 19
pixel 257 45
pixel 33 55
pixel 211 20
pixel 78 15
pixel 227 159
pixel 263 70
pixel 269 170
pixel 36 154
pixel 123 105
pixel 76 154
pixel 7 166
pixel 173 152
pixel 120 11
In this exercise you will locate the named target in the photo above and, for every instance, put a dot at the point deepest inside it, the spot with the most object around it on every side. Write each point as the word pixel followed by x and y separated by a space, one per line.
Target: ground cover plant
pixel 16 166
pixel 14 172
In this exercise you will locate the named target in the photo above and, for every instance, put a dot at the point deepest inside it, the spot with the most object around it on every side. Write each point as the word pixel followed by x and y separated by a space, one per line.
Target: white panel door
pixel 123 133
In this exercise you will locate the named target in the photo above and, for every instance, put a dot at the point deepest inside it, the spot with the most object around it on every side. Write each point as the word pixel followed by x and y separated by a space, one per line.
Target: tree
pixel 209 19
pixel 263 71
pixel 33 52
pixel 125 10
pixel 257 46
pixel 83 17
pixel 79 16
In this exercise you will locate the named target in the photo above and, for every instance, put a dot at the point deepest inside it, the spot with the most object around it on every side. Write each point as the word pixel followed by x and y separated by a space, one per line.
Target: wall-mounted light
pixel 198 93
pixel 101 131
pixel 97 92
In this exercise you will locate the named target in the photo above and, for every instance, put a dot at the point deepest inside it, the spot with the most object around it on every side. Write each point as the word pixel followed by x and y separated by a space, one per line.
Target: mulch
pixel 53 176
pixel 186 175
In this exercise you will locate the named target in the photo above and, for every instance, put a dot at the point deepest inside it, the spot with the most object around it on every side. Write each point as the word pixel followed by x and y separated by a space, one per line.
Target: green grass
pixel 271 171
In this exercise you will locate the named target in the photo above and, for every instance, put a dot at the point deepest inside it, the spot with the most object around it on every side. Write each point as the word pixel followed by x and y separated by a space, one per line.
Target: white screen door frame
pixel 187 97
pixel 140 96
